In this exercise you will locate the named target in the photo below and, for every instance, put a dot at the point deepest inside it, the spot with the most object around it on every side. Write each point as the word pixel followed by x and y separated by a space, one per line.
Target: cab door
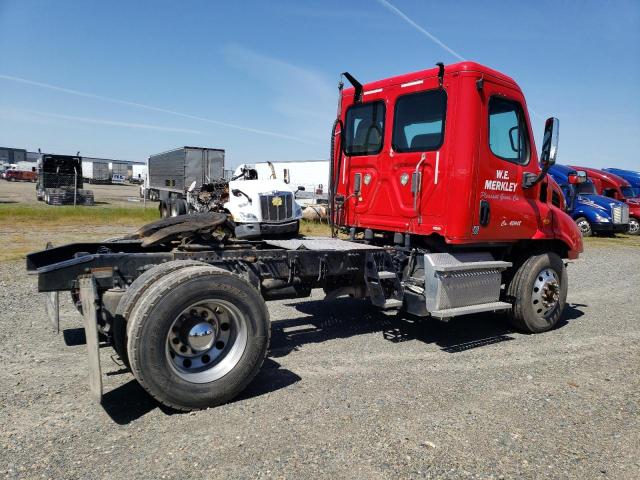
pixel 504 209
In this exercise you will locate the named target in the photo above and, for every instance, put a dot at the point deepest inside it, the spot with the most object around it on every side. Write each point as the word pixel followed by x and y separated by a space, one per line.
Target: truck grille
pixel 620 214
pixel 276 206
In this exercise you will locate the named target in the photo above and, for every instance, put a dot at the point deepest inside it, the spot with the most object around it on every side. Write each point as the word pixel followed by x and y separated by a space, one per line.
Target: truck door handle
pixel 485 211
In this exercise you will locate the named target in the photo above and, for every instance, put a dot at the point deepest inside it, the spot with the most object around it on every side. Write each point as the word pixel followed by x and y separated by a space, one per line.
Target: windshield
pixel 628 192
pixel 586 188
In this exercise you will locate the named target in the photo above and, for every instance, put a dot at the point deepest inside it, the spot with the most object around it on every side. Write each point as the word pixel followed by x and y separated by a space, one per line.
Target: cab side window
pixel 419 120
pixel 364 129
pixel 508 135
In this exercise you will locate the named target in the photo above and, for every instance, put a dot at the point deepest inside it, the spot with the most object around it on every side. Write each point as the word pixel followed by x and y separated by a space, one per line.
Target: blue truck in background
pixel 630 176
pixel 592 213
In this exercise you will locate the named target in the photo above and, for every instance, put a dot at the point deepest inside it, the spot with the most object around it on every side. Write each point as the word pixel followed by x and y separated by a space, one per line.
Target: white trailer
pixel 96 170
pixel 138 172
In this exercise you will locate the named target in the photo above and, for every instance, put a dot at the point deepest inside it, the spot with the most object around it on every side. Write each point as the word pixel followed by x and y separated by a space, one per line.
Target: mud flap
pixel 52 306
pixel 88 298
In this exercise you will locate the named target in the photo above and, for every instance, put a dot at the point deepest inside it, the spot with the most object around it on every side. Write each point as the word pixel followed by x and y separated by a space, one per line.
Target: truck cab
pixel 262 206
pixel 613 186
pixel 60 181
pixel 592 213
pixel 447 156
pixel 630 176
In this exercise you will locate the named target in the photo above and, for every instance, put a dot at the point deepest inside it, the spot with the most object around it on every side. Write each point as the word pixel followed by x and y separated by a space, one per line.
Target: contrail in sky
pixel 114 123
pixel 152 108
pixel 432 37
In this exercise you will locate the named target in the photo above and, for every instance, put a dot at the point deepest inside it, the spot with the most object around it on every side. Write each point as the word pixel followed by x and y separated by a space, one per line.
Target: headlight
pixel 602 219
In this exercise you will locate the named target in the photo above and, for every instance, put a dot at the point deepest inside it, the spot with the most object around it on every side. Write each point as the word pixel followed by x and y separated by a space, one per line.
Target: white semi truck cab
pixel 263 207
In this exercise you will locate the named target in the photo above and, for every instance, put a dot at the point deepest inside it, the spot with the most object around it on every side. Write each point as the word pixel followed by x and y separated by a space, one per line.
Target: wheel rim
pixel 206 341
pixel 584 226
pixel 546 292
pixel 634 226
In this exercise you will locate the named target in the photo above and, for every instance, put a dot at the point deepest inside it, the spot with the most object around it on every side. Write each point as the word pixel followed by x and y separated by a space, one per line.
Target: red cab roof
pixel 459 67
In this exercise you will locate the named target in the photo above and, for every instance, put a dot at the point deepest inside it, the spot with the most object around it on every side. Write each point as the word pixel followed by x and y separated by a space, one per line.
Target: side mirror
pixel 238 193
pixel 577 177
pixel 549 149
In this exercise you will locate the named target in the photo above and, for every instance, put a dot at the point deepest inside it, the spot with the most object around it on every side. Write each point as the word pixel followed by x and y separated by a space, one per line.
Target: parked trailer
pixel 439 225
pixel 138 173
pixel 119 172
pixel 96 171
pixel 171 173
pixel 10 156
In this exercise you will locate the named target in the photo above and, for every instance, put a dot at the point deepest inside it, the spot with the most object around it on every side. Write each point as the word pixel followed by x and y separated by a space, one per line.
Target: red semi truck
pixel 613 186
pixel 440 207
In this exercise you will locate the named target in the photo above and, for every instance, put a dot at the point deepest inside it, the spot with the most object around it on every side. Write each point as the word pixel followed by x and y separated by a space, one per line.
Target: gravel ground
pixel 347 392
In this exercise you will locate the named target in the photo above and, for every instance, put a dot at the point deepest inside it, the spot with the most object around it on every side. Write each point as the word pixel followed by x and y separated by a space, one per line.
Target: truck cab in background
pixel 60 181
pixel 630 176
pixel 262 206
pixel 592 213
pixel 613 186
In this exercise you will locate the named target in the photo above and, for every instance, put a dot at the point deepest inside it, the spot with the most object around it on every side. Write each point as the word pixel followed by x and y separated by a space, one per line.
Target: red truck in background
pixel 611 185
pixel 434 179
pixel 15 175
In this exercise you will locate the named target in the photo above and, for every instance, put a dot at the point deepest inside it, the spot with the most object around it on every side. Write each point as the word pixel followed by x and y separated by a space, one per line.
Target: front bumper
pixel 610 227
pixel 251 230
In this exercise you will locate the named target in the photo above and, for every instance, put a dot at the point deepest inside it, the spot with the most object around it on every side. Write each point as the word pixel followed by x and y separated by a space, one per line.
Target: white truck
pixel 190 180
pixel 311 174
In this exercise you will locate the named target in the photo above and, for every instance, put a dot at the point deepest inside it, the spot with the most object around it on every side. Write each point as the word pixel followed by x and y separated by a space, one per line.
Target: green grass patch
pixel 13 214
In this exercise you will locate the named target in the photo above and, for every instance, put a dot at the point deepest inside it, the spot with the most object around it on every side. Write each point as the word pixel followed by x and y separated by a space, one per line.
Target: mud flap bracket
pixel 88 298
pixel 52 306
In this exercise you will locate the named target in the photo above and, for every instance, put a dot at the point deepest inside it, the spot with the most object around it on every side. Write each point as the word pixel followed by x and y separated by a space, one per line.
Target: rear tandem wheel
pixel 197 337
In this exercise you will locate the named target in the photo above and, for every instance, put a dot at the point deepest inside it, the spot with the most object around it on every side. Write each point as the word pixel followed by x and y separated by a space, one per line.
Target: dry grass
pixel 27 228
pixel 40 214
pixel 314 229
pixel 618 240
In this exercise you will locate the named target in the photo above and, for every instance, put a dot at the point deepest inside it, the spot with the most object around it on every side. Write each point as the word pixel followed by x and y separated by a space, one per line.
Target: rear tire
pixel 131 296
pixel 172 314
pixel 538 292
pixel 164 209
pixel 584 226
pixel 178 207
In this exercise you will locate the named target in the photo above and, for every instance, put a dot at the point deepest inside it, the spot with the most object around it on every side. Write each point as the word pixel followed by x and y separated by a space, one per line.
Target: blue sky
pixel 258 78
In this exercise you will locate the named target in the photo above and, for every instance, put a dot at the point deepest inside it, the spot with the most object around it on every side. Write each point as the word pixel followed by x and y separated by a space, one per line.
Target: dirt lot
pixel 347 392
